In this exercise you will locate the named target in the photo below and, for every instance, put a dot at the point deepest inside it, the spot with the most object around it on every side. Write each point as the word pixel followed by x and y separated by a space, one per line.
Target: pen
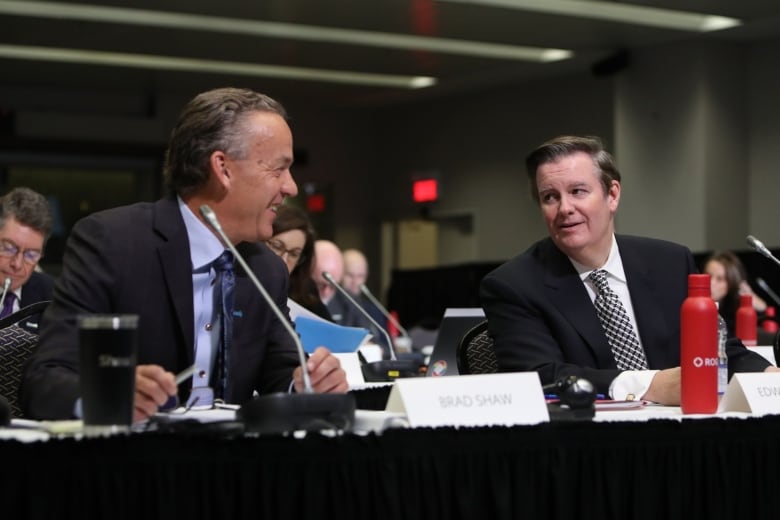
pixel 184 374
pixel 555 396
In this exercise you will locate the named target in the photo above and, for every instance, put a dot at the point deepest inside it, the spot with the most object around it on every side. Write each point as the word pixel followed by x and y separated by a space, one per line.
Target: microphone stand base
pixel 389 370
pixel 282 413
pixel 559 412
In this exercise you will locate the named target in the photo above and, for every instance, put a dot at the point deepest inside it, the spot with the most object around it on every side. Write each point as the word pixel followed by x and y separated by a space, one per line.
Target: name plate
pixel 470 400
pixel 753 392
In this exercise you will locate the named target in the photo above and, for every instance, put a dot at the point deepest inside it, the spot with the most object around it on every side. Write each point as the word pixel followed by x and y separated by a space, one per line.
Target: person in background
pixel 541 306
pixel 25 225
pixel 728 281
pixel 293 240
pixel 230 150
pixel 355 276
pixel 330 259
pixel 327 259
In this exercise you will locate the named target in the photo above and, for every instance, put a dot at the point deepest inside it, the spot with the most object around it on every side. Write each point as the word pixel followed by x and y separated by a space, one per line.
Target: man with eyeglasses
pixel 25 226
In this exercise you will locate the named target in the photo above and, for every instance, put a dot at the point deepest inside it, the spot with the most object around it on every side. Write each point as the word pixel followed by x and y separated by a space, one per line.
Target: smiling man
pixel 231 149
pixel 25 226
pixel 545 307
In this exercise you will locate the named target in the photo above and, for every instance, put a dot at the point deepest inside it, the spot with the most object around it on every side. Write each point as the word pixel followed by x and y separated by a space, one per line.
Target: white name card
pixel 753 392
pixel 470 400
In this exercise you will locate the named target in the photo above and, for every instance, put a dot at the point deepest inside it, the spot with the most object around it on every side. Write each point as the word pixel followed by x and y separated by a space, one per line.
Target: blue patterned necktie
pixel 617 327
pixel 223 289
pixel 8 304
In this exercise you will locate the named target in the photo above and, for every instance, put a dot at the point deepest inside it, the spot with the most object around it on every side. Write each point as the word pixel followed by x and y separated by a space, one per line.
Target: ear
pixel 218 162
pixel 613 196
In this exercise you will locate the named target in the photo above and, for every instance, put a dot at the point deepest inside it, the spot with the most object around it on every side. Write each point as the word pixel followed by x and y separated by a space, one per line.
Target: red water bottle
pixel 747 321
pixel 769 324
pixel 699 348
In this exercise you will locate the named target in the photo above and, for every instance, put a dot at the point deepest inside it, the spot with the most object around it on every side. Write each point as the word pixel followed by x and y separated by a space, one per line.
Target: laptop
pixel 455 323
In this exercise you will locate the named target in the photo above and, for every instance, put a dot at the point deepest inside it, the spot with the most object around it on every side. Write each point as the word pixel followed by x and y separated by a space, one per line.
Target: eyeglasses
pixel 9 250
pixel 295 254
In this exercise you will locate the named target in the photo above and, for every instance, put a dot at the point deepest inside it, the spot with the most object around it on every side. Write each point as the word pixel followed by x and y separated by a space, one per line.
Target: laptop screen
pixel 455 323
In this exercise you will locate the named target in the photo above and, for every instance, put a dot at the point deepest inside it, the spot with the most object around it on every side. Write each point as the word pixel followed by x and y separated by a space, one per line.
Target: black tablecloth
pixel 709 469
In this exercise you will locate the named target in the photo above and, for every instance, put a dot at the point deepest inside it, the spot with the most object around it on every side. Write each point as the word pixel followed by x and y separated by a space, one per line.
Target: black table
pixel 662 469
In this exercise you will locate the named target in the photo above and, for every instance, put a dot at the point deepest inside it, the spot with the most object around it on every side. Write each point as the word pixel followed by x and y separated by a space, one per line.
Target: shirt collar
pixel 613 266
pixel 204 245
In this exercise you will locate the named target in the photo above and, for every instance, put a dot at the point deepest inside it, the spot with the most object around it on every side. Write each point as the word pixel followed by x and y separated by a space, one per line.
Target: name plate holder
pixel 753 392
pixel 470 400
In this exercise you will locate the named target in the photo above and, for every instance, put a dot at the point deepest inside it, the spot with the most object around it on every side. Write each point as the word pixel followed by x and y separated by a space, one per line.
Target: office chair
pixel 475 354
pixel 16 345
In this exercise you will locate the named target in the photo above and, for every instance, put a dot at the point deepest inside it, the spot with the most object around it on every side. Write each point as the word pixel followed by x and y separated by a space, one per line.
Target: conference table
pixel 662 466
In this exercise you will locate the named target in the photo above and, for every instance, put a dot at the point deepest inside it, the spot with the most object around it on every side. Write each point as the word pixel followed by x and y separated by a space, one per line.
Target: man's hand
pixel 325 373
pixel 665 387
pixel 153 387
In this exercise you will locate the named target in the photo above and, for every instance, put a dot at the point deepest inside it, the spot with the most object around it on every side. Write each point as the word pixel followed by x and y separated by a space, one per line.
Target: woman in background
pixel 728 280
pixel 293 241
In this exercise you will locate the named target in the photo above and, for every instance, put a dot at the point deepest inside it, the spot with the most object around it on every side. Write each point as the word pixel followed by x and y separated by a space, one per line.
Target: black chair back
pixel 475 352
pixel 16 345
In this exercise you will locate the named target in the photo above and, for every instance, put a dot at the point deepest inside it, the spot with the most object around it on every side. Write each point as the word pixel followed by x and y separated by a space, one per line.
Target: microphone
pixel 761 248
pixel 6 285
pixel 282 412
pixel 772 294
pixel 384 370
pixel 576 399
pixel 573 391
pixel 383 310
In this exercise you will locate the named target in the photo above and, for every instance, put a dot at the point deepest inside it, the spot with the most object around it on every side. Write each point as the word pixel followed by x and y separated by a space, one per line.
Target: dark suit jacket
pixel 136 259
pixel 343 312
pixel 541 317
pixel 38 288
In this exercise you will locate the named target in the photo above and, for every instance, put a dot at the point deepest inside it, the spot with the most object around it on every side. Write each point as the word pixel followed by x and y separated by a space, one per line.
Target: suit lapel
pixel 569 295
pixel 653 328
pixel 174 252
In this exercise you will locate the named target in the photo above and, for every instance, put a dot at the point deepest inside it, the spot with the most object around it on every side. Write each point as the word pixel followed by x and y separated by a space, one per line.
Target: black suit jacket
pixel 136 259
pixel 541 318
pixel 39 287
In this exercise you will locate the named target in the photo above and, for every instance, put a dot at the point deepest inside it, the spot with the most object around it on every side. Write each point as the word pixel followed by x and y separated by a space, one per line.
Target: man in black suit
pixel 540 304
pixel 25 226
pixel 231 149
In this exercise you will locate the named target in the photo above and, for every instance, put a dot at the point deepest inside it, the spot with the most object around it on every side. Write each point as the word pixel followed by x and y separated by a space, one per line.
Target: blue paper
pixel 337 338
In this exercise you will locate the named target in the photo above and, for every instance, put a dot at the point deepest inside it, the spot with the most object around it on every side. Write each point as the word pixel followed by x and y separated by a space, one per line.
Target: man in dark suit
pixel 540 304
pixel 231 149
pixel 25 226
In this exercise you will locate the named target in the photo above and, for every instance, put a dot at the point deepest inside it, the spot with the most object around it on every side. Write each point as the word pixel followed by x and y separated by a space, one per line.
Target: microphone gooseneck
pixel 365 313
pixel 283 412
pixel 772 294
pixel 385 369
pixel 211 218
pixel 383 310
pixel 761 248
pixel 6 286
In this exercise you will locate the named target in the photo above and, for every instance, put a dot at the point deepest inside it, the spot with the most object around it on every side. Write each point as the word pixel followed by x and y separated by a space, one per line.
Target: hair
pixel 211 121
pixel 292 217
pixel 566 145
pixel 29 208
pixel 735 273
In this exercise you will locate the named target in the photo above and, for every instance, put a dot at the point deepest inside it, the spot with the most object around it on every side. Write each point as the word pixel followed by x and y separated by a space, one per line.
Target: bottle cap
pixel 746 300
pixel 699 281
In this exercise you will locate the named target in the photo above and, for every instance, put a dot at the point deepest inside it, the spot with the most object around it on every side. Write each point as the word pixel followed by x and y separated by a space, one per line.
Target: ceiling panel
pixel 589 39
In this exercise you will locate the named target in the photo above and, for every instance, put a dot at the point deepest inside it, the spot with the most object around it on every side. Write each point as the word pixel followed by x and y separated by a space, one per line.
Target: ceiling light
pixel 288 31
pixel 617 12
pixel 53 54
